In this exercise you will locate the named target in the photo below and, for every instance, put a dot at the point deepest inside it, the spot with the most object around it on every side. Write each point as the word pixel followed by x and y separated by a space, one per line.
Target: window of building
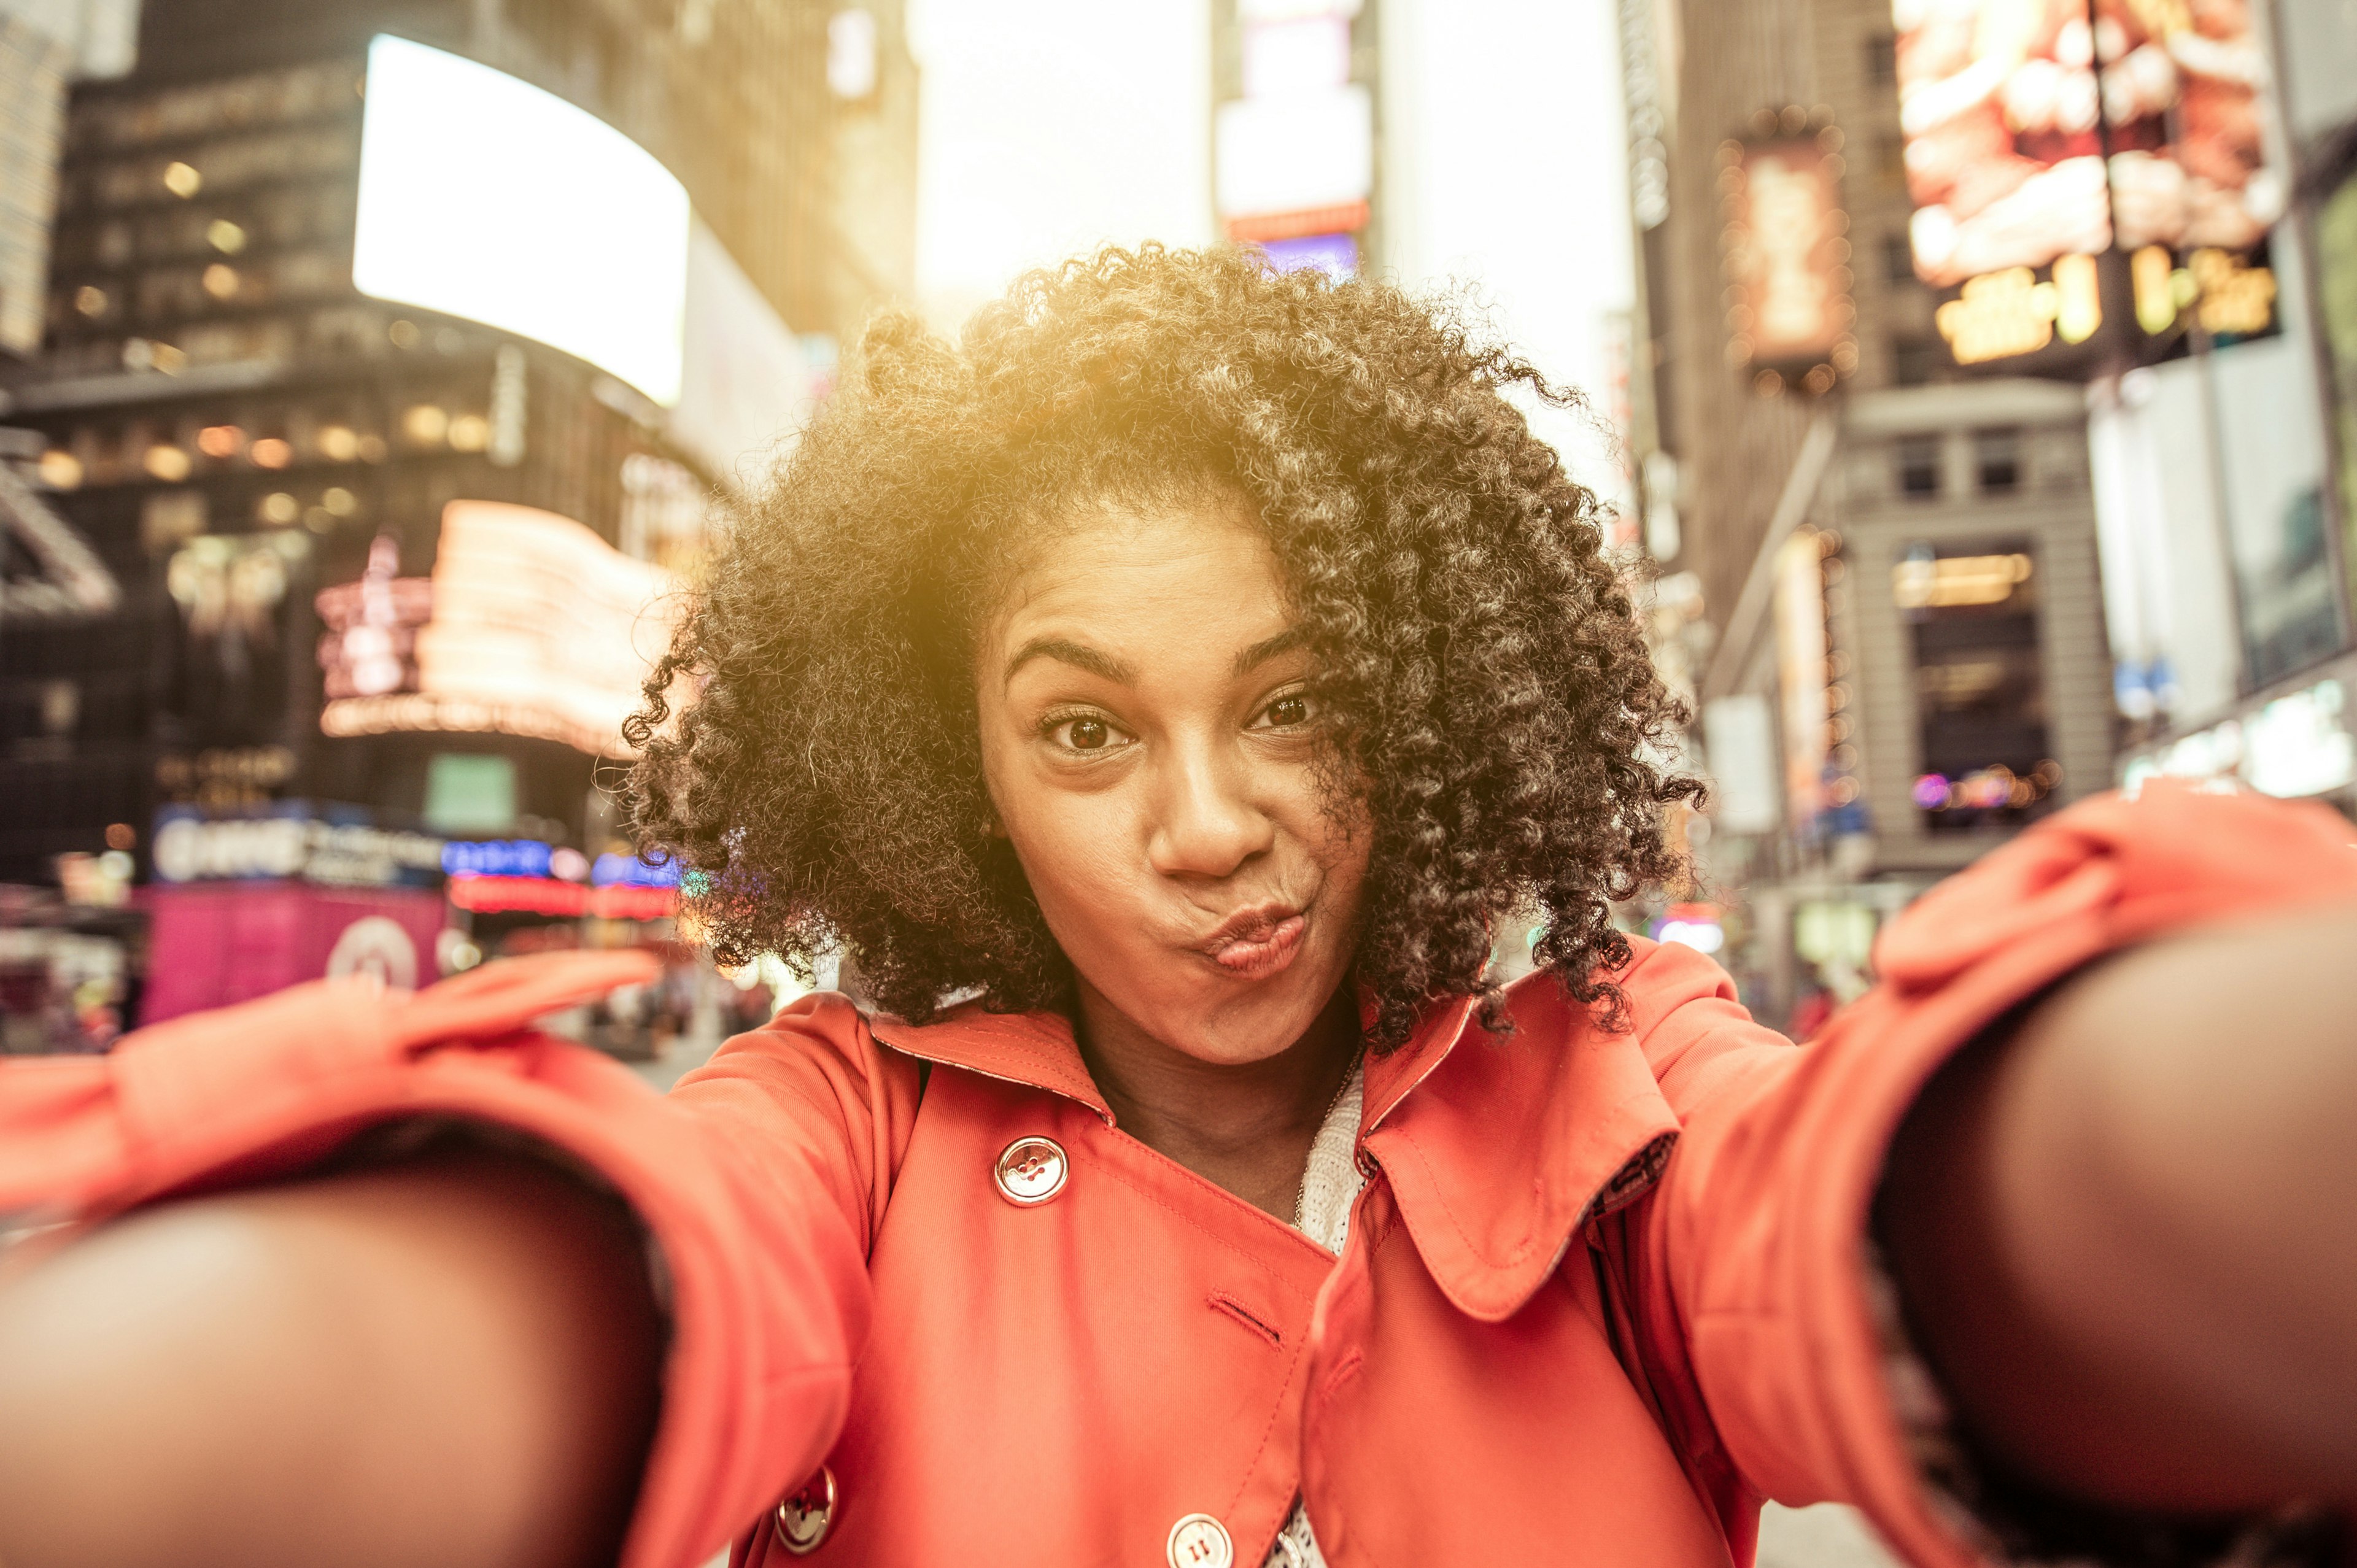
pixel 1980 690
pixel 1919 465
pixel 468 793
pixel 1881 60
pixel 1890 161
pixel 2336 245
pixel 1898 258
pixel 1914 361
pixel 1997 460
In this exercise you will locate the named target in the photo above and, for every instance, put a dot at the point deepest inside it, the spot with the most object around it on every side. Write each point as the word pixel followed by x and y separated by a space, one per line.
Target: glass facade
pixel 2336 247
pixel 1972 625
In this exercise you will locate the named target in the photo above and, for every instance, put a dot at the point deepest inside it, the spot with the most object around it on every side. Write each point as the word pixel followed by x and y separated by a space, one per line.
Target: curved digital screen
pixel 483 197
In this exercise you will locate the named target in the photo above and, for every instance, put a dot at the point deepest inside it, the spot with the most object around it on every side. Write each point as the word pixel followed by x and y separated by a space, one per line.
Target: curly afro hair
pixel 1490 701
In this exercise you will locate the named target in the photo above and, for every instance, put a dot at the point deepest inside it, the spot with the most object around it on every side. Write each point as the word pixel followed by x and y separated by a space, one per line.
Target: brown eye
pixel 1287 712
pixel 1087 735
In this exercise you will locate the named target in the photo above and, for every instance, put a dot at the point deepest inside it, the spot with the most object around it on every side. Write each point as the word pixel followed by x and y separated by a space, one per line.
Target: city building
pixel 393 353
pixel 1294 129
pixel 2231 523
pixel 1878 567
pixel 66 968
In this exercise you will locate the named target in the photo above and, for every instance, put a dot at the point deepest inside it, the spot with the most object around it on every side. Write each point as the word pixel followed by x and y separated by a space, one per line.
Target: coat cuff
pixel 767 1301
pixel 2109 874
pixel 2006 1518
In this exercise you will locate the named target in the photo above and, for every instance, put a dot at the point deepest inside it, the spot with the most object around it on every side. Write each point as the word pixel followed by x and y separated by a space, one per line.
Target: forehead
pixel 1184 573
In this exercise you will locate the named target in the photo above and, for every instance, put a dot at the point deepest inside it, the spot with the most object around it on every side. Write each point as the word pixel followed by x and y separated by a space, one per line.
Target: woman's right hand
pixel 450 1362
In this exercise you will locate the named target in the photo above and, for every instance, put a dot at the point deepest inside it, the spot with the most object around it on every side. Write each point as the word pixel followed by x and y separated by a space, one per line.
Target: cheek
pixel 1340 836
pixel 1072 848
pixel 1341 841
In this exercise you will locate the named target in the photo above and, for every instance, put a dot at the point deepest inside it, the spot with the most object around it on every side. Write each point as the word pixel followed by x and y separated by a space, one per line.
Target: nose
pixel 1206 823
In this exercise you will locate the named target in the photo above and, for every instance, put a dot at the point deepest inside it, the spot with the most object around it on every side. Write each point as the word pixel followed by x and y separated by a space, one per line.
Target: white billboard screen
pixel 483 197
pixel 1299 152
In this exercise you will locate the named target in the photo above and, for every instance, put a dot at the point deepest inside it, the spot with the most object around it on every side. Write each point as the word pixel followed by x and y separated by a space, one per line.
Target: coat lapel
pixel 1500 1147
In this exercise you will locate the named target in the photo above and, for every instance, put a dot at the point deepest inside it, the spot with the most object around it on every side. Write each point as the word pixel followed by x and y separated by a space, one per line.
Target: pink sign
pixel 212 944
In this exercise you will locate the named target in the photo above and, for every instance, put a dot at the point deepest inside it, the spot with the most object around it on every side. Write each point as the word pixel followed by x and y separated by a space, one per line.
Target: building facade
pixel 2231 532
pixel 266 466
pixel 1296 130
pixel 1879 575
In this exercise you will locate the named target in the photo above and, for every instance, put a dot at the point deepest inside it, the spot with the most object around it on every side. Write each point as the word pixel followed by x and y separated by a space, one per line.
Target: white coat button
pixel 1199 1541
pixel 804 1517
pixel 1031 1171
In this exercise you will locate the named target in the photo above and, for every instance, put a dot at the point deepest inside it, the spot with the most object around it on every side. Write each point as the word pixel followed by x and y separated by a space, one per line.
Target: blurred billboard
pixel 531 626
pixel 1787 259
pixel 482 197
pixel 746 386
pixel 2091 177
pixel 1293 156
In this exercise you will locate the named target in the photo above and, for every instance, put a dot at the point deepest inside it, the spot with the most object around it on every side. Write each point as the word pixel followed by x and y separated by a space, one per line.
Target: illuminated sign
pixel 483 197
pixel 746 383
pixel 1696 926
pixel 1787 258
pixel 1820 790
pixel 497 857
pixel 1305 55
pixel 548 896
pixel 1301 162
pixel 535 626
pixel 1649 122
pixel 1336 255
pixel 2003 314
pixel 628 870
pixel 1922 581
pixel 190 846
pixel 2084 172
pixel 2296 746
pixel 1973 623
pixel 1258 11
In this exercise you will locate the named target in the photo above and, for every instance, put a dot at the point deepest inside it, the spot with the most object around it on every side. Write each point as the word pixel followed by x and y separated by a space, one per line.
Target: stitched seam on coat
pixel 1030 1051
pixel 1529 1244
pixel 1115 1173
pixel 1252 1465
pixel 1220 1301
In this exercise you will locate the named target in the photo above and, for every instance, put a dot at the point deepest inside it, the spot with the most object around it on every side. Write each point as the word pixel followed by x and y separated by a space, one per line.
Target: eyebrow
pixel 1076 654
pixel 1082 656
pixel 1268 648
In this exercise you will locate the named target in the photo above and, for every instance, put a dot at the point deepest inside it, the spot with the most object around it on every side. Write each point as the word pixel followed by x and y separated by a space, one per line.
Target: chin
pixel 1255 1023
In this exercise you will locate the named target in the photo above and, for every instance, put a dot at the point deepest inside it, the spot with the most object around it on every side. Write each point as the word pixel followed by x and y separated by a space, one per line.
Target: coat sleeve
pixel 758 1185
pixel 1769 1334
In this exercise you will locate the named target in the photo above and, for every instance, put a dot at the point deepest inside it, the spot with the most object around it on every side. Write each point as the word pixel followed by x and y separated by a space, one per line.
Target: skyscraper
pixel 232 424
pixel 1885 567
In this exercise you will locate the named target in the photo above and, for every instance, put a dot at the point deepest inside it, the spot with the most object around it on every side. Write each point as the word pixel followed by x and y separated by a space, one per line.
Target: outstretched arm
pixel 2128 1231
pixel 453 1360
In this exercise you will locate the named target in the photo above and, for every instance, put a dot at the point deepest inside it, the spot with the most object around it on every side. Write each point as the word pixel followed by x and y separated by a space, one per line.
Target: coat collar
pixel 1037 1050
pixel 1498 1145
pixel 1501 1149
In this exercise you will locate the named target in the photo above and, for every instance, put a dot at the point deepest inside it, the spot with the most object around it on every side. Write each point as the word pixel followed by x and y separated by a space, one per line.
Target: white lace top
pixel 1328 1186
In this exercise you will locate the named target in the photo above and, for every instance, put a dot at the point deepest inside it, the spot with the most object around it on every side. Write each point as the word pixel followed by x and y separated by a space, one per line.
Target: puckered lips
pixel 1256 942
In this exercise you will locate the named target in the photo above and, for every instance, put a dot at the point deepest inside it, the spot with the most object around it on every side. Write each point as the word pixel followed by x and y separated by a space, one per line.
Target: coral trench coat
pixel 1602 1294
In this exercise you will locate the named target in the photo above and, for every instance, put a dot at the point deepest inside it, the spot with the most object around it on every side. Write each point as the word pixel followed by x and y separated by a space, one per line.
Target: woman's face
pixel 1151 756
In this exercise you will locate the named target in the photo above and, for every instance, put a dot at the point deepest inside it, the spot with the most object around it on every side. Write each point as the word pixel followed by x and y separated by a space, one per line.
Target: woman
pixel 1164 697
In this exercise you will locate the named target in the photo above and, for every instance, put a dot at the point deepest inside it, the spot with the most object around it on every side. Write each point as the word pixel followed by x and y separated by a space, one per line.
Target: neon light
pixel 629 870
pixel 498 857
pixel 547 895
